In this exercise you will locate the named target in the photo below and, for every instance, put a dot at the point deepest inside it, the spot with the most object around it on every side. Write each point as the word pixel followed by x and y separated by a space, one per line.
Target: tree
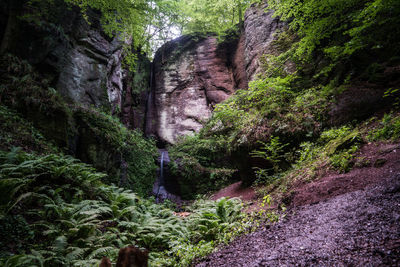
pixel 204 16
pixel 341 28
pixel 140 20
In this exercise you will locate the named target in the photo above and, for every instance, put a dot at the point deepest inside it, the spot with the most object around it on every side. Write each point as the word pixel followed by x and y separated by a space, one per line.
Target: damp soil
pixel 348 219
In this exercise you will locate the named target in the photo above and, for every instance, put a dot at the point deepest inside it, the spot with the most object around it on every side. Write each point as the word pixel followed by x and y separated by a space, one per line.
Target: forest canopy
pixel 150 23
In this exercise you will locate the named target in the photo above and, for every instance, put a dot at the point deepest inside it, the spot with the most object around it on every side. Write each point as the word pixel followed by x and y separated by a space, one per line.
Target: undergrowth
pixel 63 215
pixel 18 132
pixel 388 128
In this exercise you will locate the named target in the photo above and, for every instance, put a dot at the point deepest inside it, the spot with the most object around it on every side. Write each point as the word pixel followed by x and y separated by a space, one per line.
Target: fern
pixel 78 219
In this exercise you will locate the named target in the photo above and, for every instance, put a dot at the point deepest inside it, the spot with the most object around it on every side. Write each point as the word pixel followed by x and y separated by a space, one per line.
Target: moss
pixel 18 132
pixel 107 144
pixel 342 142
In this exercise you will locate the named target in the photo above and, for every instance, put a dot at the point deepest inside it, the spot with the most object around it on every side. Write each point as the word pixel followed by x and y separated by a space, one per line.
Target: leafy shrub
pixel 195 160
pixel 272 152
pixel 116 140
pixel 15 233
pixel 341 30
pixel 336 146
pixel 213 218
pixel 343 160
pixel 334 133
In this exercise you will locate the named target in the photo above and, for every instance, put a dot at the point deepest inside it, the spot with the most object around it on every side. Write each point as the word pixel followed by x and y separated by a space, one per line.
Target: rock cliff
pixel 84 64
pixel 192 74
pixel 259 31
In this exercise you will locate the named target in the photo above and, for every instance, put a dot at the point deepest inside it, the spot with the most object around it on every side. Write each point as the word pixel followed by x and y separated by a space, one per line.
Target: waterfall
pixel 164 181
pixel 161 179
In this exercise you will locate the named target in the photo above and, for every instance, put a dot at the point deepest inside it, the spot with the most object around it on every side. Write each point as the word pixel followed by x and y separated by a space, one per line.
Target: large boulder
pixel 192 74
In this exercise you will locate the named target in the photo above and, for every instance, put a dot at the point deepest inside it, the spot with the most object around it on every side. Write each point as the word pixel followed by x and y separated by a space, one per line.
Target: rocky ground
pixel 348 219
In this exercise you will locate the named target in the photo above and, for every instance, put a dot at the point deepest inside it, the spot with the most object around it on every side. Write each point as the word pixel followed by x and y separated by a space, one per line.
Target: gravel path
pixel 359 228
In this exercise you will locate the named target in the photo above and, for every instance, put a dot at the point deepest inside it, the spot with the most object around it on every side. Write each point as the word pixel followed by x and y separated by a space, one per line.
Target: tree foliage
pixel 203 16
pixel 141 20
pixel 341 28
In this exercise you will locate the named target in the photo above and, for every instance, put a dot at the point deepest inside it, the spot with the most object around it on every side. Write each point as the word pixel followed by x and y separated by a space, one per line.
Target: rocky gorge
pixel 165 99
pixel 189 75
pixel 256 138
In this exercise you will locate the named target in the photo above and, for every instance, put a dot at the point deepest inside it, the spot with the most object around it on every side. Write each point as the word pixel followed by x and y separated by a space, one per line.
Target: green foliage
pixel 334 133
pixel 338 145
pixel 131 146
pixel 343 159
pixel 15 233
pixel 141 21
pixel 202 16
pixel 196 162
pixel 17 131
pixel 341 28
pixel 214 218
pixel 23 88
pixel 75 219
pixel 271 106
pixel 393 93
pixel 31 95
pixel 206 151
pixel 270 216
pixel 272 152
pixel 389 128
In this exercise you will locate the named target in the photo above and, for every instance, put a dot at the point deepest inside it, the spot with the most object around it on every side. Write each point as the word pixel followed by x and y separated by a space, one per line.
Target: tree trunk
pixel 10 27
pixel 240 13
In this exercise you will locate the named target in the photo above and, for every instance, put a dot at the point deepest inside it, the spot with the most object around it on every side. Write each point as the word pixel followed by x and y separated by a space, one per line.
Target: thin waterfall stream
pixel 164 183
pixel 161 172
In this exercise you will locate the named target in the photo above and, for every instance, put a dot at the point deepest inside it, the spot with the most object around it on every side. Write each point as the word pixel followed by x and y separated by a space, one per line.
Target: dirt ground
pixel 348 219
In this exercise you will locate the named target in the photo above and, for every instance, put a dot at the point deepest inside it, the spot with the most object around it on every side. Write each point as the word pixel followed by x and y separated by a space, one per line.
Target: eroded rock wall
pixel 84 64
pixel 192 74
pixel 259 31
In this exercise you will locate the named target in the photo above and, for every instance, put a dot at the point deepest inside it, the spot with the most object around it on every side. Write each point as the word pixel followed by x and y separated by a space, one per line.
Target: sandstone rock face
pixel 90 72
pixel 191 76
pixel 84 64
pixel 259 30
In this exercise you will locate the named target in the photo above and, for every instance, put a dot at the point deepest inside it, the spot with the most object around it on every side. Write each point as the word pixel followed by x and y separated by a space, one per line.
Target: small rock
pixel 379 162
